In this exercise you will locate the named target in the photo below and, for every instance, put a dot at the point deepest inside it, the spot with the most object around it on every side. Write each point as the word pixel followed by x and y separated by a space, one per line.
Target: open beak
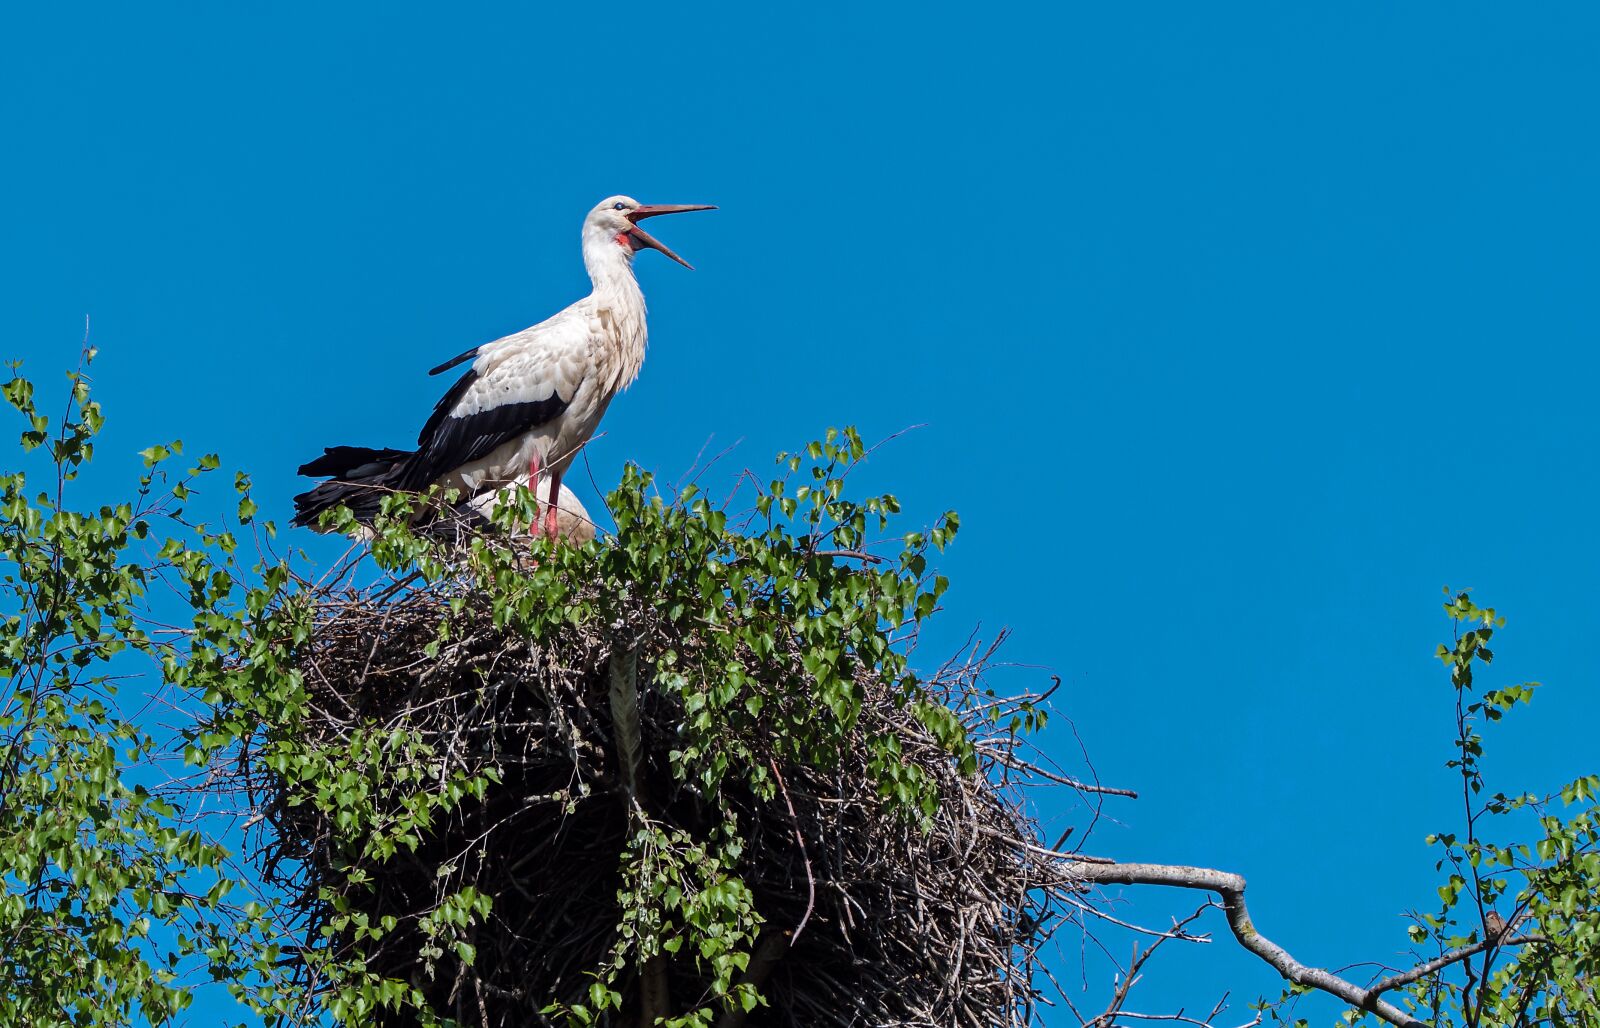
pixel 638 238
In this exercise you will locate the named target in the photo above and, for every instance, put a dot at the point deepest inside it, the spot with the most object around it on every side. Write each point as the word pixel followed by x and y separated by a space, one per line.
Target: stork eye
pixel 619 206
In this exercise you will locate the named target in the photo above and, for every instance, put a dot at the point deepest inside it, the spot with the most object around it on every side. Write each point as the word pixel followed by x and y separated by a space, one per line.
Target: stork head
pixel 616 219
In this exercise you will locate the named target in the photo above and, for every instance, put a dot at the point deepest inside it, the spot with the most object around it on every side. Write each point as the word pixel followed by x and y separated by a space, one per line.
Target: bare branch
pixel 1002 755
pixel 1181 1019
pixel 1441 962
pixel 870 558
pixel 1114 1008
pixel 1176 933
pixel 1231 888
pixel 800 839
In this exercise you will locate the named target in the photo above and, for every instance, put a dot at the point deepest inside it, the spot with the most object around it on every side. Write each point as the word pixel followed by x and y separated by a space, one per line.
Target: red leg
pixel 551 511
pixel 533 483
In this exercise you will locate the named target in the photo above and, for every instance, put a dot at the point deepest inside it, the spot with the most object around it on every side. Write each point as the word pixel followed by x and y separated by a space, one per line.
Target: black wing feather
pixel 361 478
pixel 352 462
pixel 459 358
pixel 448 441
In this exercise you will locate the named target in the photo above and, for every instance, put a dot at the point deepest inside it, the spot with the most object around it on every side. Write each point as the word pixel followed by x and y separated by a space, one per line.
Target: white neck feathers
pixel 619 304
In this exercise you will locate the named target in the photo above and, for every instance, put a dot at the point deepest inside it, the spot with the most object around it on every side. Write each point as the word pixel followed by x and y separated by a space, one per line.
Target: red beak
pixel 638 238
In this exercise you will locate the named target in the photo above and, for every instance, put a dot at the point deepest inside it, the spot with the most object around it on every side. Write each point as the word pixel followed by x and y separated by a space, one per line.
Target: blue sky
pixel 1237 332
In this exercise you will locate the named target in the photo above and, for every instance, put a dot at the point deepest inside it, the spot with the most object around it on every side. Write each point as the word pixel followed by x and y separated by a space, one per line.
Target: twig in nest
pixel 811 882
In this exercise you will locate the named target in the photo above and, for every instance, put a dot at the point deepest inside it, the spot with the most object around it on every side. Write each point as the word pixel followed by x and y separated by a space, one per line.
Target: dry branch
pixel 1230 887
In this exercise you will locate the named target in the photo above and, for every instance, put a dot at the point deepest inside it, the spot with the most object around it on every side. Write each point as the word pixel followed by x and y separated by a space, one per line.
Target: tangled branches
pixel 905 921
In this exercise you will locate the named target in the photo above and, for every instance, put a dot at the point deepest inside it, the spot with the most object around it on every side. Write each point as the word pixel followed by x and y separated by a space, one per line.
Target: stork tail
pixel 360 478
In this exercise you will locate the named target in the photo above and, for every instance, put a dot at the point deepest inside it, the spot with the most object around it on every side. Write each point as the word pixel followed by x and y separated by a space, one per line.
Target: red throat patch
pixel 625 240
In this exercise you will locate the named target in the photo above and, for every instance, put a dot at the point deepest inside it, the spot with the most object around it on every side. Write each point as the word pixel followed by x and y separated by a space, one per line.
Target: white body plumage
pixel 585 355
pixel 573 522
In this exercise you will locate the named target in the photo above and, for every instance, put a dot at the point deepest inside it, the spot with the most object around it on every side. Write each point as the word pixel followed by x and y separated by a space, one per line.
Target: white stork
pixel 573 522
pixel 530 400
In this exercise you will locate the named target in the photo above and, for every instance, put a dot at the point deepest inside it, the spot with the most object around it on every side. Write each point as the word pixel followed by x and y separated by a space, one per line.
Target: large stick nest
pixel 905 924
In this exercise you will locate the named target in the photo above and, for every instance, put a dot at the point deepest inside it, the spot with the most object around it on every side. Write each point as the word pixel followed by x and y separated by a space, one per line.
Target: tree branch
pixel 800 839
pixel 1230 887
pixel 1131 976
pixel 655 998
pixel 769 951
pixel 1440 962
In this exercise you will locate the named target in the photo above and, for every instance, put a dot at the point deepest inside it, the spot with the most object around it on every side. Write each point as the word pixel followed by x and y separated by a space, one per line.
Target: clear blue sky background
pixel 1238 331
